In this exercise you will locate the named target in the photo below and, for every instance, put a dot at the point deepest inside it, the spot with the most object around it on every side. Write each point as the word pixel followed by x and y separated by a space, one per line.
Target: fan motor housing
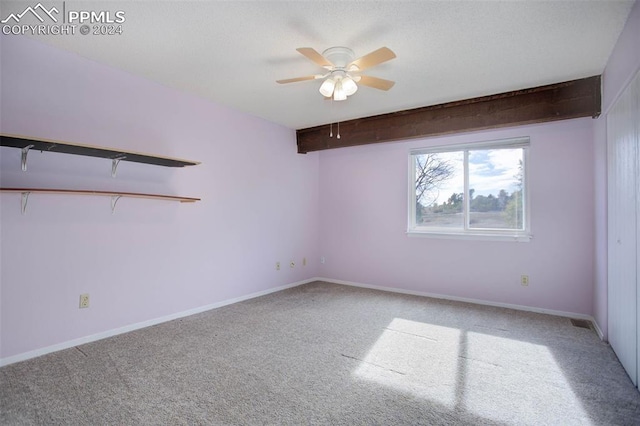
pixel 339 56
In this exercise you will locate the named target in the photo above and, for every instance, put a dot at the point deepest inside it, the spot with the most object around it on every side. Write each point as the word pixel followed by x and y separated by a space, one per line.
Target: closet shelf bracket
pixel 23 161
pixel 114 164
pixel 25 200
pixel 114 201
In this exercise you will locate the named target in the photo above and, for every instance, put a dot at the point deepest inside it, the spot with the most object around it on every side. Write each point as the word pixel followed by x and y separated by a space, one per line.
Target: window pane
pixel 439 189
pixel 496 189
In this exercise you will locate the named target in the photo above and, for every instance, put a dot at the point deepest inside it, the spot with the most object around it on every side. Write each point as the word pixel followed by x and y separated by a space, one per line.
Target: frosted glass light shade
pixel 339 93
pixel 349 86
pixel 327 87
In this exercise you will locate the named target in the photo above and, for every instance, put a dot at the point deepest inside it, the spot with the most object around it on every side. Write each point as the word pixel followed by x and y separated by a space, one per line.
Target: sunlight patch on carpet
pixel 524 375
pixel 493 377
pixel 421 352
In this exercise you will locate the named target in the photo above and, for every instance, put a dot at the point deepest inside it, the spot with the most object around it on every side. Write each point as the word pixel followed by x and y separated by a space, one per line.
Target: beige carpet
pixel 329 354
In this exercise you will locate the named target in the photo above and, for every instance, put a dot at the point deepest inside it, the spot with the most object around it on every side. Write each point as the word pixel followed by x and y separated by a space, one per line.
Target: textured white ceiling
pixel 232 52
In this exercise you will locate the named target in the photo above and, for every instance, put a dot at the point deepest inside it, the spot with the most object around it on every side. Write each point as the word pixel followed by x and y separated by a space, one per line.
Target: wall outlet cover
pixel 84 301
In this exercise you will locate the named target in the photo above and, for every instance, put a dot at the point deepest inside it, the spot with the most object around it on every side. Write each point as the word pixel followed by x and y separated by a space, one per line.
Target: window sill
pixel 472 236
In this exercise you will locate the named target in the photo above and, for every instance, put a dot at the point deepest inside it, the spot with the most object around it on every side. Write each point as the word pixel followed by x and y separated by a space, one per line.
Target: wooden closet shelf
pixel 101 193
pixel 24 142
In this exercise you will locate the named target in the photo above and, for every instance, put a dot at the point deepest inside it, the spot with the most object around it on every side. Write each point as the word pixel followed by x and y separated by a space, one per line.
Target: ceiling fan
pixel 344 72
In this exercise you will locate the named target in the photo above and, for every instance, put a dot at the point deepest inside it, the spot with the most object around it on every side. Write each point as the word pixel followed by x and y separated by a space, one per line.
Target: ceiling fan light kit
pixel 338 93
pixel 349 86
pixel 344 72
pixel 327 86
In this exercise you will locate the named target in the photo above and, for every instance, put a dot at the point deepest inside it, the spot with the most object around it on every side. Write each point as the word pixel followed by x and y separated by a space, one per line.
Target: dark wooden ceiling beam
pixel 560 101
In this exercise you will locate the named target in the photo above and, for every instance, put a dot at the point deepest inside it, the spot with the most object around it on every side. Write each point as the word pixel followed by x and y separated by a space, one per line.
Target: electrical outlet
pixel 292 264
pixel 304 261
pixel 524 280
pixel 322 260
pixel 277 266
pixel 84 301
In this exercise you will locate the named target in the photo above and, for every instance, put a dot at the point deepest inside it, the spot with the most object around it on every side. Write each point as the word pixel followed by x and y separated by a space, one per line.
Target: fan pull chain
pixel 331 124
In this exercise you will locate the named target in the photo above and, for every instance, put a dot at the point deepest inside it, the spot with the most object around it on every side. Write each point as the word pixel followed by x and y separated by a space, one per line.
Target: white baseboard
pixel 109 333
pixel 598 330
pixel 469 300
pixel 114 332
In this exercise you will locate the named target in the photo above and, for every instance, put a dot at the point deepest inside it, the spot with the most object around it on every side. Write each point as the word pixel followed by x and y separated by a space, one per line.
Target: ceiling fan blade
pixel 314 56
pixel 293 80
pixel 372 59
pixel 376 83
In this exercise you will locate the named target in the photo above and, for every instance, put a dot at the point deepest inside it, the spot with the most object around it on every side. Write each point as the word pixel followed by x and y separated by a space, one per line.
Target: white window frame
pixel 522 235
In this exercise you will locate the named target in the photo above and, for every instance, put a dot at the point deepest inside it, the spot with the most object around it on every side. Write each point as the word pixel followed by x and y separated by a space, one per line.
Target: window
pixel 471 190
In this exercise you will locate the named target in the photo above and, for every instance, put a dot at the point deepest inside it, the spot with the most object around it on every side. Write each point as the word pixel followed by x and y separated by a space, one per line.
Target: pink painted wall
pixel 622 66
pixel 262 203
pixel 363 191
pixel 151 258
